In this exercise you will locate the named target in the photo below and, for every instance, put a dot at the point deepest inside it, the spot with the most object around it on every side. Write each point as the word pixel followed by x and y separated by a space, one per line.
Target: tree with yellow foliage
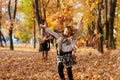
pixel 100 19
pixel 12 20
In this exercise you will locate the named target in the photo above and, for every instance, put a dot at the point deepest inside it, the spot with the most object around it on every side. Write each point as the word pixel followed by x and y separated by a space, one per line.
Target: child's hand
pixel 43 26
pixel 74 50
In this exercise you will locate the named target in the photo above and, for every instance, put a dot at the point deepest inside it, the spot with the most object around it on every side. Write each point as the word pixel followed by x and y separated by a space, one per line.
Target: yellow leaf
pixel 111 78
pixel 92 7
pixel 87 2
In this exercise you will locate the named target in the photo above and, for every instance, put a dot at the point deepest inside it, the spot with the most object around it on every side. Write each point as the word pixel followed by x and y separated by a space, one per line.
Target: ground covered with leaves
pixel 27 64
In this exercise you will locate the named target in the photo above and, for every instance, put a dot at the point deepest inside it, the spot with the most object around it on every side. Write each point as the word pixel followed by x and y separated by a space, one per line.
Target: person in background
pixel 45 47
pixel 41 43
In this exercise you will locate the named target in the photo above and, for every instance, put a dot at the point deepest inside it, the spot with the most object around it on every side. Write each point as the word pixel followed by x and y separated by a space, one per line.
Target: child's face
pixel 66 32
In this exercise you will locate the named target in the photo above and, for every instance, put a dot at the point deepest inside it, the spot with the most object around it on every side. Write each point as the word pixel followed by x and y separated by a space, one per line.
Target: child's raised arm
pixel 80 24
pixel 48 30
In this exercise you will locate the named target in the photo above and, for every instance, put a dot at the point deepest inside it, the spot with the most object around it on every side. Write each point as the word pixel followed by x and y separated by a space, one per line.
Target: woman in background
pixel 46 47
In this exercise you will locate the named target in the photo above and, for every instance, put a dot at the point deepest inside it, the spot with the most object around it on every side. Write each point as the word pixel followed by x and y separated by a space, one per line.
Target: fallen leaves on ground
pixel 28 65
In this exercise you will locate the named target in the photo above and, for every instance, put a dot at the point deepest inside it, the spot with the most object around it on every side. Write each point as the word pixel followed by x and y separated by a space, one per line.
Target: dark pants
pixel 45 54
pixel 61 73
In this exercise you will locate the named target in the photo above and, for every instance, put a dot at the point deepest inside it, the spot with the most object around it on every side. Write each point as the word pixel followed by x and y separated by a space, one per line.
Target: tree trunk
pixel 38 18
pixel 15 10
pixel 111 41
pixel 107 22
pixel 100 40
pixel 37 12
pixel 44 11
pixel 2 38
pixel 100 30
pixel 34 24
pixel 58 4
pixel 34 34
pixel 9 10
pixel 11 20
pixel 11 39
pixel 1 44
pixel 10 30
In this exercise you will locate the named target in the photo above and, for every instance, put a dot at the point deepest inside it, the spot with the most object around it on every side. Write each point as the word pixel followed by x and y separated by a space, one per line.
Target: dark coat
pixel 46 44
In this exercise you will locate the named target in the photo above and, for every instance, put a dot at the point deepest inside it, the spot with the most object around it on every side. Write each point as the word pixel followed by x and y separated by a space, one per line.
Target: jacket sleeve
pixel 78 29
pixel 73 44
pixel 48 30
pixel 79 25
pixel 59 48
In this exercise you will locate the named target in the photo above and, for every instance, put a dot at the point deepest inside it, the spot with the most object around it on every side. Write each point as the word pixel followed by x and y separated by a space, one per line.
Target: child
pixel 65 47
pixel 64 50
